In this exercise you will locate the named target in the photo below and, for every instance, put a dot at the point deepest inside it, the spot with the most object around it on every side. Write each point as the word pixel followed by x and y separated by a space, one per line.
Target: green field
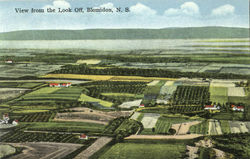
pixel 145 151
pixel 123 95
pixel 162 125
pixel 218 94
pixel 201 128
pixel 225 127
pixel 20 84
pixel 67 127
pixel 50 95
pixel 86 98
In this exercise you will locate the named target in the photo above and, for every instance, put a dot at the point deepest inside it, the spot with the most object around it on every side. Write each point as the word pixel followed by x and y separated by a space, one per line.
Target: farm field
pixel 218 94
pixel 19 136
pixel 50 95
pixel 236 91
pixel 89 61
pixel 85 98
pixel 6 150
pixel 67 127
pixel 239 127
pixel 45 150
pixel 135 115
pixel 147 151
pixel 36 117
pixel 105 77
pixel 90 115
pixel 170 87
pixel 8 93
pixel 149 120
pixel 163 125
pixel 27 85
pixel 191 95
pixel 29 69
pixel 123 95
pixel 225 127
pixel 129 104
pixel 214 127
pixel 201 128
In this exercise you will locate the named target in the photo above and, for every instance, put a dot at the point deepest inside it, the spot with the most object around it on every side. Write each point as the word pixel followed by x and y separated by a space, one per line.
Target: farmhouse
pixel 141 106
pixel 211 107
pixel 83 136
pixel 9 61
pixel 60 84
pixel 15 122
pixel 237 108
pixel 5 119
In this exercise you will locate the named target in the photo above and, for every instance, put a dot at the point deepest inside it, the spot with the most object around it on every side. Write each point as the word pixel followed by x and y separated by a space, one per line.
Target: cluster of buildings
pixel 84 136
pixel 6 120
pixel 60 84
pixel 237 108
pixel 216 108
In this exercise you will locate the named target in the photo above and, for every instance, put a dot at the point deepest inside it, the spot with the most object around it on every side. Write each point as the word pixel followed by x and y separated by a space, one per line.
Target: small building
pixel 15 122
pixel 211 107
pixel 60 84
pixel 9 61
pixel 84 136
pixel 141 106
pixel 6 118
pixel 237 108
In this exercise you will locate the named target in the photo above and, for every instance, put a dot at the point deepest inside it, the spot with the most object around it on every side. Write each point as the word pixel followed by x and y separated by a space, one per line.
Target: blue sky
pixel 143 14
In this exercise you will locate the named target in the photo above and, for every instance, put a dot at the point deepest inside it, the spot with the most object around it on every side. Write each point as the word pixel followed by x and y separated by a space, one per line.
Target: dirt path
pixel 189 136
pixel 83 120
pixel 97 145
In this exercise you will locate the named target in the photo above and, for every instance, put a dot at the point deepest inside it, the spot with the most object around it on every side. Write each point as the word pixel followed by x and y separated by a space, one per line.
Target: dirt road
pixel 97 145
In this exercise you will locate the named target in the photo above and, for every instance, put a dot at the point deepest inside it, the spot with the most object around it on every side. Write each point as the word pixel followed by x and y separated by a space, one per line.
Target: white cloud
pixel 187 8
pixel 223 10
pixel 58 4
pixel 141 9
pixel 108 5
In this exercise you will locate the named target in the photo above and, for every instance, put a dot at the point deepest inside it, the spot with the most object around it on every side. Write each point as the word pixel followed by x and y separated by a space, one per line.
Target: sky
pixel 143 14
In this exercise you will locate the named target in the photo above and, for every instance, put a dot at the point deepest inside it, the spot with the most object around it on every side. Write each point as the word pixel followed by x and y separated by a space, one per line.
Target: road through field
pixel 44 150
pixel 96 146
pixel 156 137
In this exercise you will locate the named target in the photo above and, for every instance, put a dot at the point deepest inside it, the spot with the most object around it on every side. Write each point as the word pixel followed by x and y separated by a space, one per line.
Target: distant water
pixel 115 44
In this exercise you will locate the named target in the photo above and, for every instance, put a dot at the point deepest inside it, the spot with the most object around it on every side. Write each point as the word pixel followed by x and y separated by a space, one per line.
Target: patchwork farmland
pixel 128 104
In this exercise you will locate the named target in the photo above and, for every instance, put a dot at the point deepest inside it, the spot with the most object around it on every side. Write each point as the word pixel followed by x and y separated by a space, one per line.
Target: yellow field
pixel 29 111
pixel 86 98
pixel 76 76
pixel 89 61
pixel 106 77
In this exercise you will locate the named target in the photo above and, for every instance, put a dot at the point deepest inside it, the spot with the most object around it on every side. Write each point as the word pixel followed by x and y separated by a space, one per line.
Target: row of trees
pixel 84 69
pixel 191 95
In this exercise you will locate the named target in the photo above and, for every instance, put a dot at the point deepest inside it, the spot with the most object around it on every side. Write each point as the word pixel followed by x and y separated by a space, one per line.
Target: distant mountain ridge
pixel 94 34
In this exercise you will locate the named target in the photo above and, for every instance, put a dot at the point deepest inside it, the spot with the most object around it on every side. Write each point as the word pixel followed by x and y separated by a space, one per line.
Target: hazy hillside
pixel 168 33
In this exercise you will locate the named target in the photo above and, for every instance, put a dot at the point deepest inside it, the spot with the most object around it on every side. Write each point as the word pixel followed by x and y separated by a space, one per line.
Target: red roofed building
pixel 211 107
pixel 83 136
pixel 142 106
pixel 60 84
pixel 15 122
pixel 237 108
